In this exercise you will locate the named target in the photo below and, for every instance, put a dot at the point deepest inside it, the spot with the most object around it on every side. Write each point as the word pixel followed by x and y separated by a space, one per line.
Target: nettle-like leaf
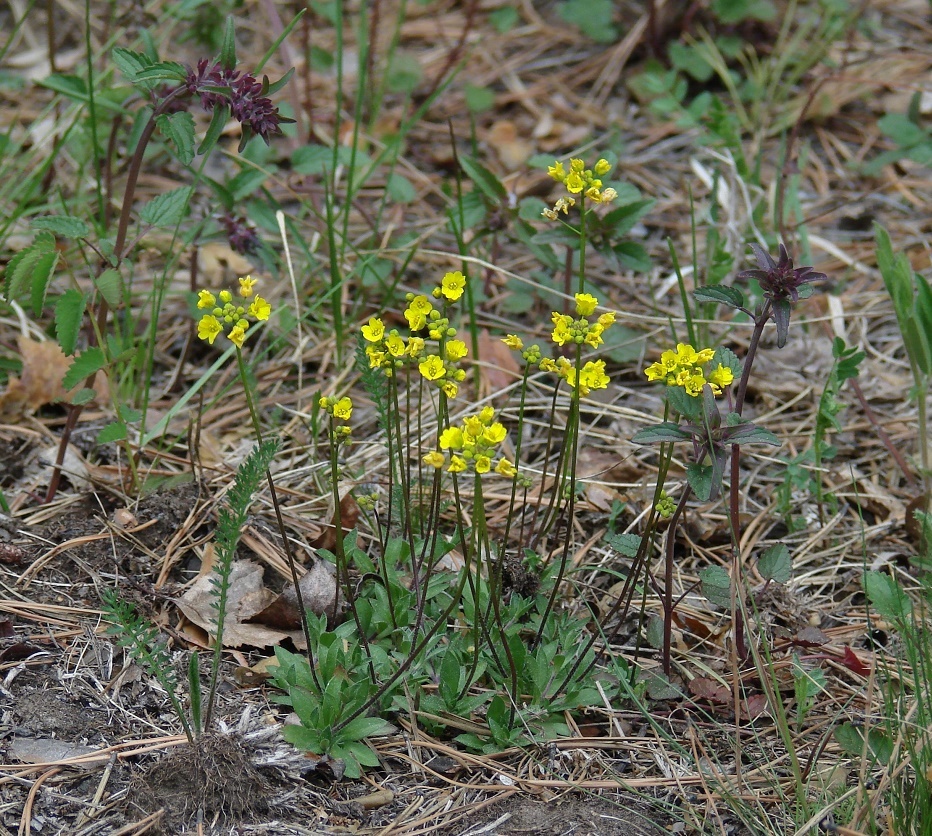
pixel 129 63
pixel 28 273
pixel 110 286
pixel 178 128
pixel 161 72
pixel 625 544
pixel 684 404
pixel 775 564
pixel 83 366
pixel 887 596
pixel 64 226
pixel 167 210
pixel 661 433
pixel 716 585
pixel 723 294
pixel 69 312
pixel 727 358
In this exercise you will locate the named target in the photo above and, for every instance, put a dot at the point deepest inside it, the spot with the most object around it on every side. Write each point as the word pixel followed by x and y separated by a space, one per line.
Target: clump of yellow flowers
pixel 579 180
pixel 229 314
pixel 567 330
pixel 473 444
pixel 685 367
pixel 340 409
pixel 389 351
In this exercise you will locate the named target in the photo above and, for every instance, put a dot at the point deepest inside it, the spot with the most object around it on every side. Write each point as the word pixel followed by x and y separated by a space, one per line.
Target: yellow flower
pixel 575 182
pixel 483 464
pixel 473 427
pixel 205 299
pixel 557 172
pixel 506 468
pixel 513 341
pixel 457 464
pixel 374 331
pixel 395 345
pixel 237 333
pixel 585 303
pixel 453 285
pixel 549 214
pixel 607 319
pixel 608 195
pixel 577 165
pixel 449 388
pixel 343 409
pixel 226 297
pixel 487 414
pixel 594 335
pixel 494 434
pixel 703 357
pixel 415 346
pixel 455 350
pixel 602 167
pixel 563 204
pixel 246 284
pixel 593 376
pixel 594 194
pixel 434 459
pixel 432 367
pixel 561 333
pixel 451 439
pixel 720 377
pixel 260 309
pixel 208 328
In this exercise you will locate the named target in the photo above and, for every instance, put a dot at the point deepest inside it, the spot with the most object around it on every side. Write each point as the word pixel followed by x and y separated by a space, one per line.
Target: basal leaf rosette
pixel 228 314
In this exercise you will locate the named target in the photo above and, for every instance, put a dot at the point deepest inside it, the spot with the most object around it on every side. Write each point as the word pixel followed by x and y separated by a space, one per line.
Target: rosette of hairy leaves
pixel 141 639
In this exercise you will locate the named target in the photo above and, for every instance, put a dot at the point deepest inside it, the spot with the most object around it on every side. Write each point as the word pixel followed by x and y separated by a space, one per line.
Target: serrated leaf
pixel 683 403
pixel 40 277
pixel 110 285
pixel 112 432
pixel 625 544
pixel 701 478
pixel 84 365
pixel 167 210
pixel 716 585
pixel 723 294
pixel 129 62
pixel 775 564
pixel 727 358
pixel 83 396
pixel 17 278
pixel 69 312
pixel 484 179
pixel 178 128
pixel 887 596
pixel 660 433
pixel 658 686
pixel 162 72
pixel 63 226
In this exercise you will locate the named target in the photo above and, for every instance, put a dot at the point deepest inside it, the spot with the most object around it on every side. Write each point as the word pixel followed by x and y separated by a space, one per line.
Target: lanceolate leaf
pixel 485 181
pixel 69 311
pixel 218 121
pixel 660 433
pixel 724 294
pixel 887 596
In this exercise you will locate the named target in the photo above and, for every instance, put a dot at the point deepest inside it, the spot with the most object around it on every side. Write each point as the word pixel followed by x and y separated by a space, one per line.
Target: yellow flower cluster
pixel 342 410
pixel 579 331
pixel 473 444
pixel 227 314
pixel 591 375
pixel 388 350
pixel 579 180
pixel 684 367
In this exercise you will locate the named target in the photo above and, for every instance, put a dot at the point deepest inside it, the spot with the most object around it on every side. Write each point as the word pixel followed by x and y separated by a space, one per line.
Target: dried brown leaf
pixel 318 592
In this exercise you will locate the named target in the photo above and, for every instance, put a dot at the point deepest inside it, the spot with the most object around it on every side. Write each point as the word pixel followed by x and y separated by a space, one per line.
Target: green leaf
pixel 21 268
pixel 775 564
pixel 887 596
pixel 115 431
pixel 478 99
pixel 504 19
pixel 592 17
pixel 178 128
pixel 167 210
pixel 400 189
pixel 748 433
pixel 723 294
pixel 851 738
pixel 363 727
pixel 302 738
pixel 917 343
pixel 83 396
pixel 404 72
pixel 685 404
pixel 69 311
pixel 897 274
pixel 625 544
pixel 716 585
pixel 701 478
pixel 83 366
pixel 660 433
pixel 228 45
pixel 129 63
pixel 162 72
pixel 485 180
pixel 110 285
pixel 218 121
pixel 658 686
pixel 64 226
pixel 42 272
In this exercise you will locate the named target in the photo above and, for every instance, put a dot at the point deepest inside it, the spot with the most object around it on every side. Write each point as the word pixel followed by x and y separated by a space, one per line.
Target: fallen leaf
pixel 810 637
pixel 44 367
pixel 46 750
pixel 349 516
pixel 853 663
pixel 512 150
pixel 318 592
pixel 219 264
pixel 708 689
